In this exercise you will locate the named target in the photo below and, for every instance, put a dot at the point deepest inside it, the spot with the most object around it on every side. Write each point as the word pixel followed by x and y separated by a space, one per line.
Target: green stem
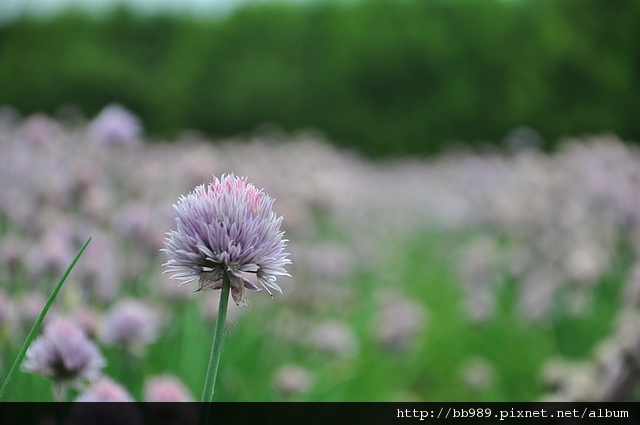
pixel 36 325
pixel 216 347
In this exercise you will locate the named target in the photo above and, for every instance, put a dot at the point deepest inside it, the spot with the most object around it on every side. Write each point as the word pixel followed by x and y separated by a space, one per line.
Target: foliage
pixel 382 76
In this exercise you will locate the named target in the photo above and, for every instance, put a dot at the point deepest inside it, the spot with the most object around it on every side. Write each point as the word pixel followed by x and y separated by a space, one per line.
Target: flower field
pixel 501 275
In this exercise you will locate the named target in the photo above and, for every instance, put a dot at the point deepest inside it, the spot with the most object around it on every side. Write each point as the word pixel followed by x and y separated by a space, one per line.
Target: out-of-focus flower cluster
pixel 556 225
pixel 612 373
pixel 551 225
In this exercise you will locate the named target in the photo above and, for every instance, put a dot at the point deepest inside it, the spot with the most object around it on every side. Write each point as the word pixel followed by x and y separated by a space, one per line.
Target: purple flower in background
pixel 115 126
pixel 168 397
pixel 6 312
pixel 291 379
pixel 64 353
pixel 130 323
pixel 335 338
pixel 105 390
pixel 166 389
pixel 229 226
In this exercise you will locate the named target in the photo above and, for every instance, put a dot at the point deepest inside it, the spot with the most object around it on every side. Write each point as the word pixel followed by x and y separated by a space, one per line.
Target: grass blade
pixel 36 325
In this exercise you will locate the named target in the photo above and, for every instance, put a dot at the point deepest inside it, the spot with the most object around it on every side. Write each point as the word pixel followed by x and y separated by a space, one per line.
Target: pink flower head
pixel 166 389
pixel 227 226
pixel 291 379
pixel 105 390
pixel 64 353
pixel 6 311
pixel 115 126
pixel 130 323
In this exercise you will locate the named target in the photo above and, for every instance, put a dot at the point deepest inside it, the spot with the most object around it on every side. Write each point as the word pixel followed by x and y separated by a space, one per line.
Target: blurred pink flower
pixel 39 128
pixel 333 337
pixel 88 319
pixel 166 389
pixel 398 321
pixel 6 312
pixel 130 323
pixel 64 353
pixel 105 390
pixel 292 379
pixel 115 126
pixel 477 374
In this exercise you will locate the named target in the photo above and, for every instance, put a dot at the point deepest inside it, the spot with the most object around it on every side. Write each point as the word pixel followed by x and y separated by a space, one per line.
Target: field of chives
pixel 497 275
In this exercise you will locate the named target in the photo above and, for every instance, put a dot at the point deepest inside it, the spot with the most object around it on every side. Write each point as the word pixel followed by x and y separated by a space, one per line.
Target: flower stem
pixel 216 347
pixel 36 325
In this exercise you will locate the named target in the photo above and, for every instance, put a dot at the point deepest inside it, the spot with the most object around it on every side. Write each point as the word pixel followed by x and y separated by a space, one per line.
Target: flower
pixel 291 379
pixel 228 226
pixel 398 321
pixel 64 353
pixel 169 401
pixel 90 407
pixel 166 389
pixel 105 390
pixel 130 323
pixel 477 374
pixel 335 338
pixel 6 311
pixel 115 126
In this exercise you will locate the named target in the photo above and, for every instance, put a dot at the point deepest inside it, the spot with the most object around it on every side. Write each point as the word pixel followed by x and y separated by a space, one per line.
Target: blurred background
pixel 382 76
pixel 459 180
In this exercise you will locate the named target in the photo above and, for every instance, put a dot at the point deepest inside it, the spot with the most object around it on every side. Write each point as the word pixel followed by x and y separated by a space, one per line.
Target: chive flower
pixel 64 353
pixel 166 389
pixel 131 324
pixel 115 126
pixel 105 390
pixel 227 226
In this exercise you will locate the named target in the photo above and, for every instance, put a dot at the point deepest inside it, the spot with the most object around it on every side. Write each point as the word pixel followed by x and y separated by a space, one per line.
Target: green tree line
pixel 386 77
